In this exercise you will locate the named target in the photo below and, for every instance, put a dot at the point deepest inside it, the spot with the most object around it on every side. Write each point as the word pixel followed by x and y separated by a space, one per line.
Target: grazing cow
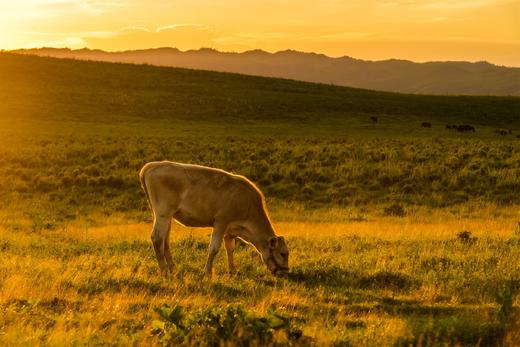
pixel 426 124
pixel 374 119
pixel 502 132
pixel 199 196
pixel 464 127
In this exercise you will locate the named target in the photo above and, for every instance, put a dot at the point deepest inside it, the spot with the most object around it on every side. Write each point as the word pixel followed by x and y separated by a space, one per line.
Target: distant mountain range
pixel 451 77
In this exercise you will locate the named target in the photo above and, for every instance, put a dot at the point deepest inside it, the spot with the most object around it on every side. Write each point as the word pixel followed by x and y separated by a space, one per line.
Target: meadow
pixel 399 235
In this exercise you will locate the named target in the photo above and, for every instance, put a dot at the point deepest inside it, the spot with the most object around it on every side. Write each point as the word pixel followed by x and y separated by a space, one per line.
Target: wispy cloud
pixel 457 4
pixel 183 36
pixel 162 28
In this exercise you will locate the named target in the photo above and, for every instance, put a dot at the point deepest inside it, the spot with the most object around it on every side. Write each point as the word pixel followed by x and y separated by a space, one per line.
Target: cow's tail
pixel 142 174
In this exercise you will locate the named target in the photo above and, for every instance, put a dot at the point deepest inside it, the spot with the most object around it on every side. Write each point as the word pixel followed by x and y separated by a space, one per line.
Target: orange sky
pixel 419 30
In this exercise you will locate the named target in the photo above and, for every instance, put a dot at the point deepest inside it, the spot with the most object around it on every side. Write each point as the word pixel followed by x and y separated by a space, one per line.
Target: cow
pixel 426 124
pixel 465 127
pixel 502 132
pixel 199 196
pixel 374 119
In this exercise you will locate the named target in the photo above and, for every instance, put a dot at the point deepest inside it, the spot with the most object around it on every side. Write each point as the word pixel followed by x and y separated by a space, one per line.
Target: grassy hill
pixel 446 77
pixel 75 133
pixel 46 89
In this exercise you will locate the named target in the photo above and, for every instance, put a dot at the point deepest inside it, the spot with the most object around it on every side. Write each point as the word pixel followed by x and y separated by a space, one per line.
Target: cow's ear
pixel 273 242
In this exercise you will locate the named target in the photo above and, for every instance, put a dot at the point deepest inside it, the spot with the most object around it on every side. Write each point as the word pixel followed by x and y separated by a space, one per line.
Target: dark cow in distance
pixel 426 124
pixel 461 128
pixel 199 196
pixel 464 127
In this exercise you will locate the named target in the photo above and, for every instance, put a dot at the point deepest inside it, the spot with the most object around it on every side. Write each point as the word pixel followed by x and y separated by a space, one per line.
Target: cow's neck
pixel 259 233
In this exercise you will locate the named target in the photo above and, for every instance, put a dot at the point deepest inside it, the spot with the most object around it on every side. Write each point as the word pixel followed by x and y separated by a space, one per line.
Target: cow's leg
pixel 159 233
pixel 229 242
pixel 216 241
pixel 167 254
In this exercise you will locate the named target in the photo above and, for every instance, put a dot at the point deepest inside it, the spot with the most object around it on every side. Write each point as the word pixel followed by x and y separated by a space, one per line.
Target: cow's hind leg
pixel 216 240
pixel 160 229
pixel 229 242
pixel 167 254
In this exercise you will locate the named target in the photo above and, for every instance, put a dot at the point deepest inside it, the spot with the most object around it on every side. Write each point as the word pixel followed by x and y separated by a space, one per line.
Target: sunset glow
pixel 420 30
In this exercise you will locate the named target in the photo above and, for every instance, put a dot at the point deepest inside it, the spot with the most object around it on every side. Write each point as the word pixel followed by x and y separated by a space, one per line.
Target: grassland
pixel 373 213
pixel 391 281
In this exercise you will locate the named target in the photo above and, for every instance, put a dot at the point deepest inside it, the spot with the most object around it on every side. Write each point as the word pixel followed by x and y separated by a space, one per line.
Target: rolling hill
pixel 402 76
pixel 63 90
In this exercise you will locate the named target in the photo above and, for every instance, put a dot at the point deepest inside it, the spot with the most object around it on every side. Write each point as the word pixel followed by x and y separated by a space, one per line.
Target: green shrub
pixel 223 327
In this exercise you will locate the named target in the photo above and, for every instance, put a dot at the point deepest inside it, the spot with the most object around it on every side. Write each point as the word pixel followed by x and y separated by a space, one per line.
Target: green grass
pixel 74 135
pixel 372 212
pixel 62 177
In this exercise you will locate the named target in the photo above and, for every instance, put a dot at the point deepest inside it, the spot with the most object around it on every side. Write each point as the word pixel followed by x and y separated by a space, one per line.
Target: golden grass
pixel 99 284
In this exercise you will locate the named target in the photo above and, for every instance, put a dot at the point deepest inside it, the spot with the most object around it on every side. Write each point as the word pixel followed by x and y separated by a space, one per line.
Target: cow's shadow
pixel 337 277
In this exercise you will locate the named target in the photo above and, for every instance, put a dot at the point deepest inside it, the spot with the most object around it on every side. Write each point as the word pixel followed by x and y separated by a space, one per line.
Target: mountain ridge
pixel 393 75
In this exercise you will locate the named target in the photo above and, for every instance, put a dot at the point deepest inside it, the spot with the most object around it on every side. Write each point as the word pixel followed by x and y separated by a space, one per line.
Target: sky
pixel 418 30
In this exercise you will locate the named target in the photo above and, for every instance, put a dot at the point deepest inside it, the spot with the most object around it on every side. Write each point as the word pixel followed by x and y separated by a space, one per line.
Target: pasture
pixel 399 234
pixel 391 281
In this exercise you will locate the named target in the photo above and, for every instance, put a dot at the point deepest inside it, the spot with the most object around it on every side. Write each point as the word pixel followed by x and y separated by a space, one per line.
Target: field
pixel 399 235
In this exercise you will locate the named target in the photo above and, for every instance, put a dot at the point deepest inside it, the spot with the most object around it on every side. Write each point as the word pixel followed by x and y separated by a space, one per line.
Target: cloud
pixel 457 4
pixel 182 36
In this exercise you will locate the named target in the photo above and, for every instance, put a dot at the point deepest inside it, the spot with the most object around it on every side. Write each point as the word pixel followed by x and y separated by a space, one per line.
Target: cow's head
pixel 277 259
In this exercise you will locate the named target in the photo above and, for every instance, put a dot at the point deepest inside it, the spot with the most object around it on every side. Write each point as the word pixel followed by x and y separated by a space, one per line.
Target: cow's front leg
pixel 216 241
pixel 229 242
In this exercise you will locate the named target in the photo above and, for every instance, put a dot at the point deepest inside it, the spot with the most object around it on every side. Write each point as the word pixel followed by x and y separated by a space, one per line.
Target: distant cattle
pixel 460 128
pixel 502 132
pixel 426 124
pixel 464 127
pixel 199 196
pixel 374 119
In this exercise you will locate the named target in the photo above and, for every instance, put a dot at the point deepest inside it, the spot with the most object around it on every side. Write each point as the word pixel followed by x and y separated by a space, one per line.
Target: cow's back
pixel 199 195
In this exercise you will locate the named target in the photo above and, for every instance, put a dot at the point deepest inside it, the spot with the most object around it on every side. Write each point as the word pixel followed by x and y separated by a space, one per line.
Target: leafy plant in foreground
pixel 215 327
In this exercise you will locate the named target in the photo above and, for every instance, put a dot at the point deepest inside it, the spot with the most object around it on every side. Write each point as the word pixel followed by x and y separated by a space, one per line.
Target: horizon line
pixel 256 50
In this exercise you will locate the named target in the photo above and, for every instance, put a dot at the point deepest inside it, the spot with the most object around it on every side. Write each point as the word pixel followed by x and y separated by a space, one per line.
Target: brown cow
pixel 199 196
